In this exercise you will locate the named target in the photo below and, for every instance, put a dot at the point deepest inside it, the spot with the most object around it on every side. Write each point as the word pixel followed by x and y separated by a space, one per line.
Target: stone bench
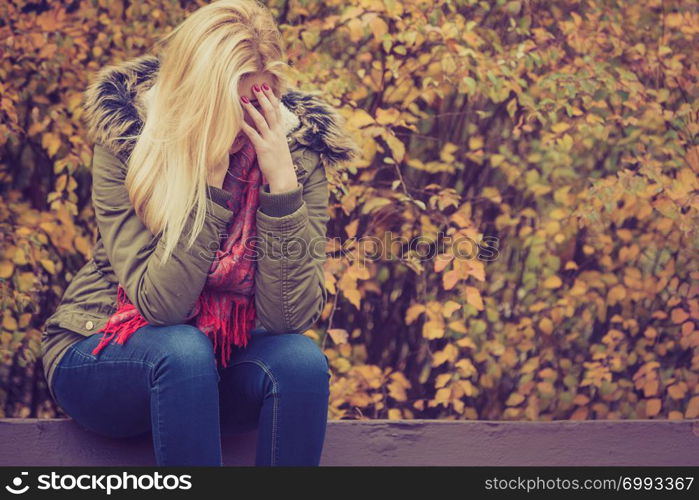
pixel 61 442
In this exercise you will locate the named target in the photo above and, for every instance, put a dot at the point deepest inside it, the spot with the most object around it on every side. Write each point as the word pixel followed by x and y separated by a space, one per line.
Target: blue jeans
pixel 165 380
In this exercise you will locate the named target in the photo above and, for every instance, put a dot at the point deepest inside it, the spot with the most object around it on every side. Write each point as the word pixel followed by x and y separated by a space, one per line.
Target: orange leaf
pixel 653 407
pixel 692 408
pixel 442 261
pixel 473 297
pixel 413 312
pixel 339 335
pixel 450 279
pixel 552 281
pixel 679 315
pixel 433 329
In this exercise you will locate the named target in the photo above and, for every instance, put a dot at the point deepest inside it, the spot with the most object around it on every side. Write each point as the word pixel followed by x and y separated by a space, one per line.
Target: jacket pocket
pixel 84 323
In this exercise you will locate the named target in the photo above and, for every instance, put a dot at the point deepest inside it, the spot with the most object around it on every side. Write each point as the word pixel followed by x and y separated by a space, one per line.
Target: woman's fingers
pixel 267 106
pixel 273 100
pixel 265 121
pixel 252 134
pixel 260 121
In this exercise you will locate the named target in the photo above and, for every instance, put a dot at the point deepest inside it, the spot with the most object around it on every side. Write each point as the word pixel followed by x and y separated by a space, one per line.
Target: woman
pixel 211 200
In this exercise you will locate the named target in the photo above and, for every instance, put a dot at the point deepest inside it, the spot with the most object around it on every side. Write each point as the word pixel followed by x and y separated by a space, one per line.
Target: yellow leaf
pixel 560 127
pixel 351 228
pixel 467 387
pixel 687 328
pixel 9 322
pixel 477 270
pixel 546 326
pixel 686 177
pixel 492 194
pixel 653 407
pixel 19 258
pixel 692 408
pixel 397 147
pixel 650 388
pixel 442 261
pixel 397 387
pixel 466 368
pixel 82 246
pixel 457 326
pixel 51 142
pixel 360 118
pixel 310 38
pixel 442 396
pixel 378 28
pixel 387 116
pixel 475 142
pixel 466 342
pixel 514 399
pixel 677 391
pixel 552 281
pixel 394 414
pixel 442 380
pixel 433 329
pixel 546 388
pixel 413 312
pixel 6 269
pixel 360 272
pixel 617 293
pixel 450 307
pixel 375 203
pixel 447 152
pixel 25 281
pixel 353 296
pixel 473 297
pixel 339 335
pixel 449 353
pixel 24 320
pixel 558 214
pixel 679 315
pixel 496 159
pixel 450 279
pixel 73 101
pixel 48 265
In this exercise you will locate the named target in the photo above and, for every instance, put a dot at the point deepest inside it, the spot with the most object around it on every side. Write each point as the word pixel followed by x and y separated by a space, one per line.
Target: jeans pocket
pixel 80 352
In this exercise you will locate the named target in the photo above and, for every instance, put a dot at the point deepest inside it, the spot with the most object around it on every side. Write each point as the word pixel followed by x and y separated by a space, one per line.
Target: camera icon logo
pixel 16 487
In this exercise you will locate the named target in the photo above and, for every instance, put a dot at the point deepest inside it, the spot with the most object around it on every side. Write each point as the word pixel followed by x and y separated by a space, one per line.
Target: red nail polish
pixel 245 99
pixel 255 88
pixel 265 86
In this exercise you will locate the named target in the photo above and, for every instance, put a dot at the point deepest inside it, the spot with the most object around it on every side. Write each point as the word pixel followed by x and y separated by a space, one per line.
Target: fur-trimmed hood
pixel 114 107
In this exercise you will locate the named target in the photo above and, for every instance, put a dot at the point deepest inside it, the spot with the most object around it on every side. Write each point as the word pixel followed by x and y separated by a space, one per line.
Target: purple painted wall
pixel 57 442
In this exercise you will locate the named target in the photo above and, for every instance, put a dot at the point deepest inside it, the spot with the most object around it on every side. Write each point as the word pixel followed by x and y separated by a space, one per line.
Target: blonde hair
pixel 194 111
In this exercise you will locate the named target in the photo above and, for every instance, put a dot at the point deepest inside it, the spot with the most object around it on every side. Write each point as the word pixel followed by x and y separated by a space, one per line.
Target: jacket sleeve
pixel 163 294
pixel 289 280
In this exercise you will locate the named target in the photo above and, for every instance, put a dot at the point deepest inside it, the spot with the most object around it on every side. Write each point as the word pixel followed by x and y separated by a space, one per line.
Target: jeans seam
pixel 159 446
pixel 275 408
pixel 83 355
pixel 111 362
pixel 158 435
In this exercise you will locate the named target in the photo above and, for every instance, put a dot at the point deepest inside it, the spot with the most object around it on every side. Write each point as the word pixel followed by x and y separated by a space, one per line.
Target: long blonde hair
pixel 194 111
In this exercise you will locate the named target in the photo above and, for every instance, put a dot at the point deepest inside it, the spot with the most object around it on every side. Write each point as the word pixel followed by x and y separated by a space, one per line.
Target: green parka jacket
pixel 289 287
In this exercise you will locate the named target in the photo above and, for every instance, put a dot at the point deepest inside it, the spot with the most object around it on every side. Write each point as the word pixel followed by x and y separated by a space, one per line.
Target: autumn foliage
pixel 556 140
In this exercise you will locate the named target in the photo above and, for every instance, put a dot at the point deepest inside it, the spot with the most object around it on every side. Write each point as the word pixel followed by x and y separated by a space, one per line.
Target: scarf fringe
pixel 123 330
pixel 226 330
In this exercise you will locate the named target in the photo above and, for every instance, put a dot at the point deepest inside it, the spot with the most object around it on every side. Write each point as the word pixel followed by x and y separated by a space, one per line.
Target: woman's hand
pixel 268 137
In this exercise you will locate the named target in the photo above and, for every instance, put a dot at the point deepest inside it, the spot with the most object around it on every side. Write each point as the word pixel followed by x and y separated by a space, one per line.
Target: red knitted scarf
pixel 225 309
